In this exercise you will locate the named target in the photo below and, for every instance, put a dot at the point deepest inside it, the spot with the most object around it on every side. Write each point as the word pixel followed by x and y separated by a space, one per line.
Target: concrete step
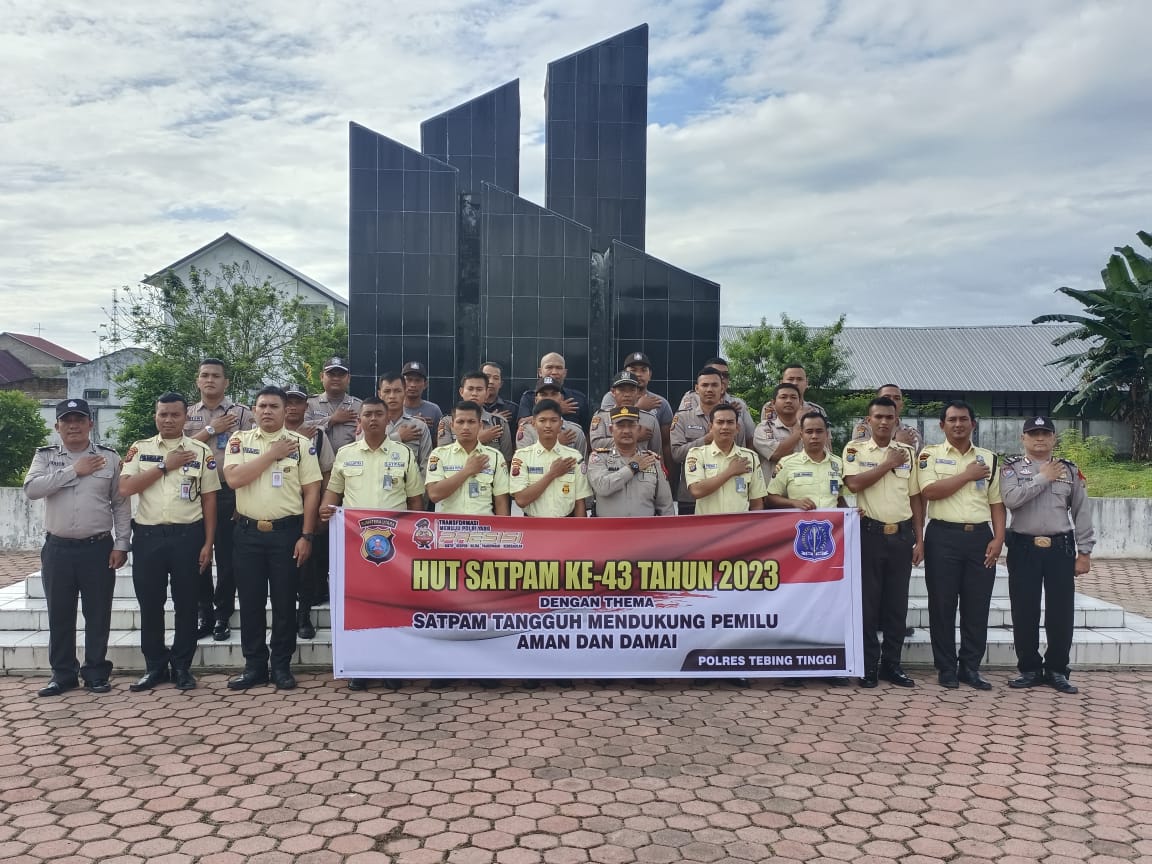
pixel 27 651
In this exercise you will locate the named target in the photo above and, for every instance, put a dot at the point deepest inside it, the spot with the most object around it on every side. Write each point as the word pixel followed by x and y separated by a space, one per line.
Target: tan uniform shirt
pixel 767 438
pixel 421 447
pixel 800 476
pixel 325 455
pixel 174 499
pixel 691 401
pixel 620 491
pixel 971 503
pixel 80 507
pixel 600 432
pixel 707 461
pixel 381 479
pixel 526 435
pixel 277 493
pixel 529 465
pixel 504 443
pixel 862 432
pixel 688 427
pixel 886 500
pixel 767 412
pixel 476 496
pixel 320 408
pixel 199 416
pixel 1041 507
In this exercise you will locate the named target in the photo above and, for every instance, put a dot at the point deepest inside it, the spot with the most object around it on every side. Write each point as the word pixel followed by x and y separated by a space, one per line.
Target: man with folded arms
pixel 883 474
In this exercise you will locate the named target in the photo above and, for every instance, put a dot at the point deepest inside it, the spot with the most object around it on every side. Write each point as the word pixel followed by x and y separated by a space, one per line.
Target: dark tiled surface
pixel 480 138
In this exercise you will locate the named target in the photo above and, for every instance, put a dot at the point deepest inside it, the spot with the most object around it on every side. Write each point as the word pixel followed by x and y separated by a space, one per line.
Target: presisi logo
pixel 423 535
pixel 377 534
pixel 472 534
pixel 814 540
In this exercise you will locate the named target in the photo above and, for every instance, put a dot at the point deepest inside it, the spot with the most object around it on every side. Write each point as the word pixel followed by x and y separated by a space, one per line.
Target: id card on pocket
pixel 473 489
pixel 277 479
pixel 741 485
pixel 185 490
pixel 388 482
pixel 221 440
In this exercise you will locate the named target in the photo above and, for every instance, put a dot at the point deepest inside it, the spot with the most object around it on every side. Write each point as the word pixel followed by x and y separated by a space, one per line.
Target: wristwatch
pixel 210 429
pixel 308 537
pixel 635 466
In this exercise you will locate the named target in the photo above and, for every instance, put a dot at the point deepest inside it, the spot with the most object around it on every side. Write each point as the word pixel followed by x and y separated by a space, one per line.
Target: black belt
pixel 265 525
pixel 875 526
pixel 960 526
pixel 1042 541
pixel 80 541
pixel 165 530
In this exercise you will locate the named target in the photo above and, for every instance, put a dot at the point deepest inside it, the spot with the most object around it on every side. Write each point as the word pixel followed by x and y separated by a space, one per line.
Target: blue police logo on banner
pixel 377 537
pixel 814 540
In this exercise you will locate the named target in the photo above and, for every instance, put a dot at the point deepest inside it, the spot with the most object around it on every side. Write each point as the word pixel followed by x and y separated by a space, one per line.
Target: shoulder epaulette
pixel 46 447
pixel 106 447
pixel 602 449
pixel 1011 460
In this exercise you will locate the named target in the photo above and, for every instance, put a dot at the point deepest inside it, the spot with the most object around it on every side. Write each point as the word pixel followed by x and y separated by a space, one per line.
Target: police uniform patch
pixel 131 454
pixel 1007 473
pixel 691 464
pixel 850 454
pixel 596 422
pixel 234 445
pixel 565 489
pixel 311 451
pixel 211 464
pixel 516 463
pixel 433 462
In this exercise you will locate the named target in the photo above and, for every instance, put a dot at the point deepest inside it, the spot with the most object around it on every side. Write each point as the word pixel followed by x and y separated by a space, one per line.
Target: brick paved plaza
pixel 658 772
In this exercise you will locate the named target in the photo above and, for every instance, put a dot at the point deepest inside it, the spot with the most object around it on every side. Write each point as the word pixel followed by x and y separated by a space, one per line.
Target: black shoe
pixel 1028 679
pixel 563 682
pixel 739 682
pixel 204 627
pixel 304 628
pixel 98 685
pixel 488 683
pixel 895 675
pixel 530 684
pixel 838 681
pixel 283 679
pixel 56 688
pixel 1061 684
pixel 357 685
pixel 793 683
pixel 150 680
pixel 949 679
pixel 249 678
pixel 973 680
pixel 909 632
pixel 869 680
pixel 393 683
pixel 184 679
pixel 221 631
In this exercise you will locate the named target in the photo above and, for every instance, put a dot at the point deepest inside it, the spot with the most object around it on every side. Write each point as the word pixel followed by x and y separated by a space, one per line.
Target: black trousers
pixel 885 570
pixel 955 573
pixel 71 569
pixel 314 574
pixel 1033 570
pixel 266 569
pixel 163 553
pixel 220 602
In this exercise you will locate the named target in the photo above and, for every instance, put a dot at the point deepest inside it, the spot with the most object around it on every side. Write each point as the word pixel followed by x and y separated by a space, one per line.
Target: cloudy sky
pixel 910 162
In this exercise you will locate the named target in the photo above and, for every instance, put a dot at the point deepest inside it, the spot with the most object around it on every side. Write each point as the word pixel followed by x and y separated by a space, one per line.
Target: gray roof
pixel 1007 357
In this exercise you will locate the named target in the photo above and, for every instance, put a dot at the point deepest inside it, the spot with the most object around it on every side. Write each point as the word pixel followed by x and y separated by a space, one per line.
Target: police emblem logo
pixel 596 422
pixel 433 462
pixel 377 534
pixel 423 535
pixel 516 463
pixel 814 541
pixel 565 489
pixel 131 454
pixel 850 454
pixel 211 464
pixel 691 464
pixel 234 445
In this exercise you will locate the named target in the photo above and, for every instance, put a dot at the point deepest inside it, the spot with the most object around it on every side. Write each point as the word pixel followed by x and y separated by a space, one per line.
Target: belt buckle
pixel 1042 542
pixel 264 525
pixel 891 528
pixel 969 528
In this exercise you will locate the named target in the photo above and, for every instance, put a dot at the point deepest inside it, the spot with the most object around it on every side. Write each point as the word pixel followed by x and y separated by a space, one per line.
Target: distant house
pixel 227 249
pixel 95 381
pixel 35 366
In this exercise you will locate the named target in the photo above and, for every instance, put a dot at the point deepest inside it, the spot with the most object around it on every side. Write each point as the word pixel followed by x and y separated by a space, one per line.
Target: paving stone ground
pixel 659 772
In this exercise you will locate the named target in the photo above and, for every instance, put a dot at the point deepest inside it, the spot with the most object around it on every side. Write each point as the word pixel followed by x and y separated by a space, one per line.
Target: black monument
pixel 450 266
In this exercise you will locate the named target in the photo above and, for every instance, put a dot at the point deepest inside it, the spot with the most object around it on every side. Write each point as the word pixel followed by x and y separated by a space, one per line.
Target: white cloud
pixel 906 162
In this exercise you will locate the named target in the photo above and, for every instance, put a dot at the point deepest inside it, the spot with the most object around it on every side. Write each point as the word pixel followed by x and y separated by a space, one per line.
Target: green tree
pixel 22 430
pixel 758 357
pixel 258 331
pixel 1115 365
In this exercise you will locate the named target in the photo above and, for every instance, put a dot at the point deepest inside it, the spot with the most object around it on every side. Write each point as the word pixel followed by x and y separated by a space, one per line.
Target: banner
pixel 429 595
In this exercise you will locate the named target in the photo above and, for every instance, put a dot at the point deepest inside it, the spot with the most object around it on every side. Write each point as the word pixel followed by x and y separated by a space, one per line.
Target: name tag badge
pixel 185 490
pixel 473 489
pixel 277 479
pixel 741 485
pixel 834 486
pixel 388 482
pixel 221 440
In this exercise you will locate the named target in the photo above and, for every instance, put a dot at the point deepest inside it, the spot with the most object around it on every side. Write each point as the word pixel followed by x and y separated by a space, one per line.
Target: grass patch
pixel 1119 480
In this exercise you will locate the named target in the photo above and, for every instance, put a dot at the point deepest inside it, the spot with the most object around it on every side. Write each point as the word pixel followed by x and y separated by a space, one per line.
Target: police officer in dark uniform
pixel 1046 551
pixel 79 481
pixel 628 481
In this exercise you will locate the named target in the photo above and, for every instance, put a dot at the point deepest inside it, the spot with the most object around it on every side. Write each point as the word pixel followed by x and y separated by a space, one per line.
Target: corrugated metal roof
pixel 1009 357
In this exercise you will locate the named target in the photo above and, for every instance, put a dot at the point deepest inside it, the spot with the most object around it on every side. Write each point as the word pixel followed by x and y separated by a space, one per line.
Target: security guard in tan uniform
pixel 722 476
pixel 547 478
pixel 175 479
pixel 625 392
pixel 691 399
pixel 797 376
pixel 277 482
pixel 410 431
pixel 692 426
pixel 810 479
pixel 468 477
pixel 374 473
pixel 212 421
pixel 83 507
pixel 779 435
pixel 494 429
pixel 905 433
pixel 962 487
pixel 1046 551
pixel 885 476
pixel 571 434
pixel 628 480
